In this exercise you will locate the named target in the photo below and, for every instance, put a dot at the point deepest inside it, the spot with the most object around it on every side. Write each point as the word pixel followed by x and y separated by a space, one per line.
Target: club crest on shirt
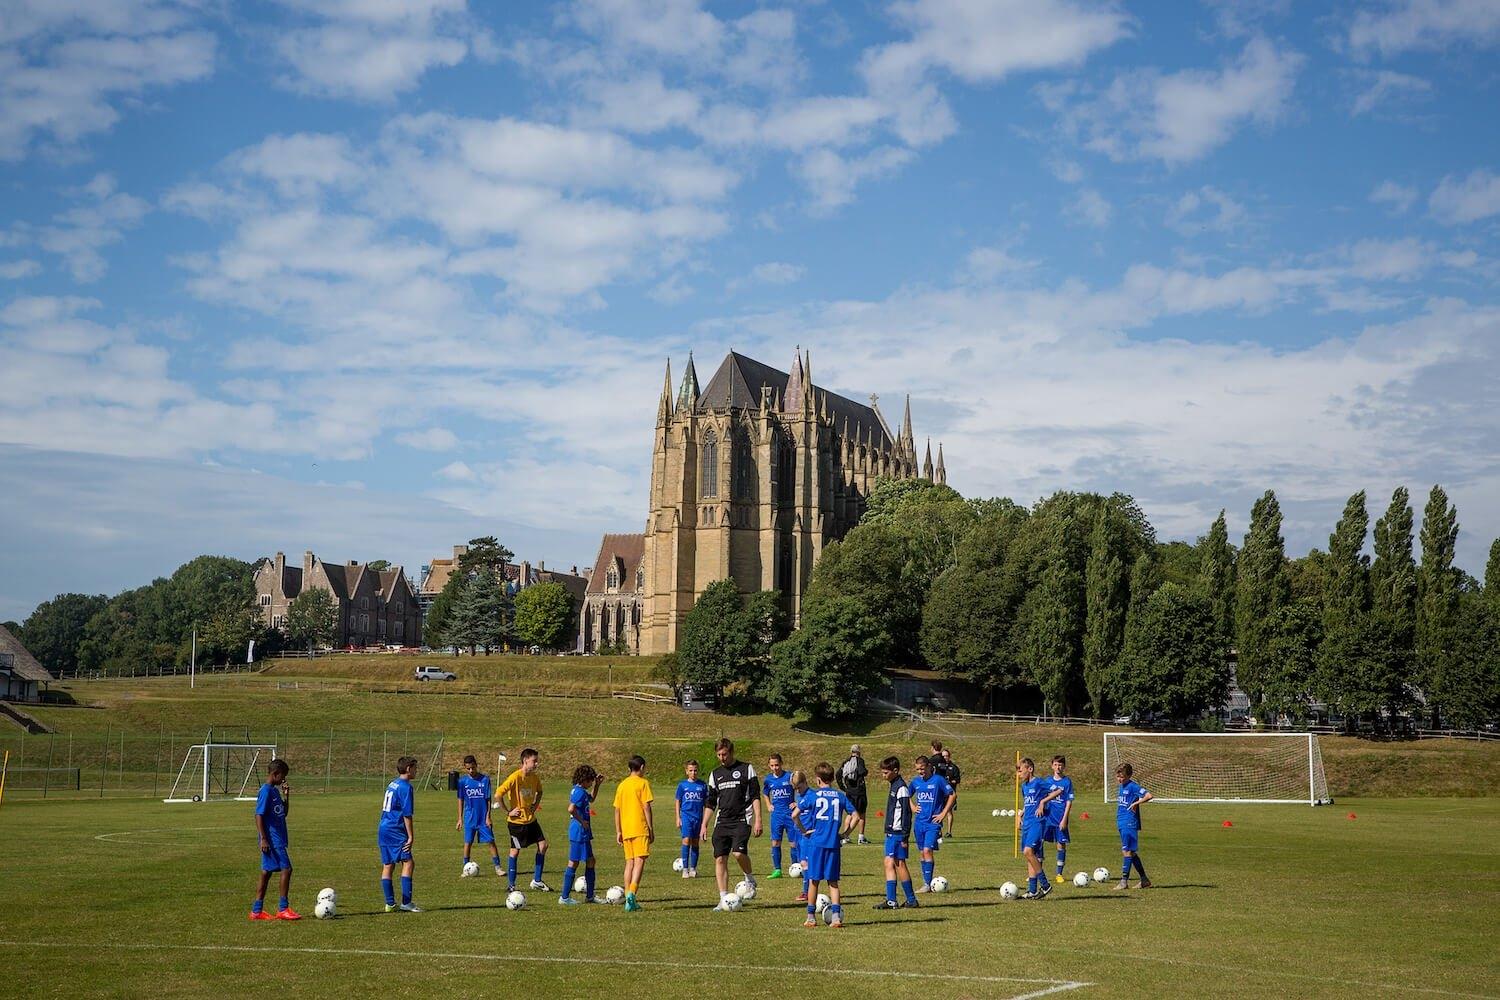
pixel 736 776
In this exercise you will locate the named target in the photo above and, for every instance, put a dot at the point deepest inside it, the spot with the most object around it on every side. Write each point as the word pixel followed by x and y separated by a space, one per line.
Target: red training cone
pixel 1085 815
pixel 1227 823
pixel 1351 816
pixel 879 812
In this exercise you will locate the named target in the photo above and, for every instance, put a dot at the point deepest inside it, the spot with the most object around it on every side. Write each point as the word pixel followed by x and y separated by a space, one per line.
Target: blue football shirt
pixel 824 816
pixel 1032 792
pixel 690 795
pixel 1127 818
pixel 779 791
pixel 270 805
pixel 474 793
pixel 581 826
pixel 929 796
pixel 1056 807
pixel 396 806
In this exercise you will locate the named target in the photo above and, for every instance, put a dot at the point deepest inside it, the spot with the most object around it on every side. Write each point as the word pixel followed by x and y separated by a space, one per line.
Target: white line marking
pixel 1052 985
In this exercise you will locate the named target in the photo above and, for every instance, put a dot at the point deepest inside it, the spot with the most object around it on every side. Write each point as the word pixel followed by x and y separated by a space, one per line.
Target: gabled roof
pixel 23 664
pixel 739 380
pixel 629 549
pixel 337 580
pixel 388 580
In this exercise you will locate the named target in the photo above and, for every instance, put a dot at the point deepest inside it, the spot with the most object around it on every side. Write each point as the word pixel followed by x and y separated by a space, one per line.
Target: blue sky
pixel 371 277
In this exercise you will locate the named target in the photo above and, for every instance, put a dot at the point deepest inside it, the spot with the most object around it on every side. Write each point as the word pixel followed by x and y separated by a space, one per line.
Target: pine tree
pixel 1104 626
pixel 1261 589
pixel 1492 574
pixel 1343 677
pixel 1437 597
pixel 1216 577
pixel 480 616
pixel 1393 601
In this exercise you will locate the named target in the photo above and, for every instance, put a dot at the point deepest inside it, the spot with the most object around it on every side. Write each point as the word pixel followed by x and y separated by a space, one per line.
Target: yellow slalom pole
pixel 1016 849
pixel 4 767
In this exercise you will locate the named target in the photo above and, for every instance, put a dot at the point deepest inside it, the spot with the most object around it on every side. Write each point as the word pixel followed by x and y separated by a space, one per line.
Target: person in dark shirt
pixel 734 800
pixel 942 764
pixel 851 781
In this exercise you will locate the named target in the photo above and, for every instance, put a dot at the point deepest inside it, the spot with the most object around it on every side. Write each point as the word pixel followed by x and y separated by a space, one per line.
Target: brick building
pixel 376 607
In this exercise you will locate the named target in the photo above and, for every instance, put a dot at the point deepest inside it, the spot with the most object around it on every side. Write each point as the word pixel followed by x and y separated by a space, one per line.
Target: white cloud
pixel 1403 25
pixel 15 270
pixel 1459 200
pixel 1205 210
pixel 80 233
pixel 1398 196
pixel 1090 208
pixel 429 439
pixel 1183 116
pixel 300 164
pixel 1385 87
pixel 831 178
pixel 774 272
pixel 458 472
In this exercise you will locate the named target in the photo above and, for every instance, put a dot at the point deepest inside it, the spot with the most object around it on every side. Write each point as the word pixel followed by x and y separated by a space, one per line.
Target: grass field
pixel 136 898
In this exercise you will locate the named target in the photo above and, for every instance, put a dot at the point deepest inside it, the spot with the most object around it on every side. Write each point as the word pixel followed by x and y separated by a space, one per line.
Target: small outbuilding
pixel 22 678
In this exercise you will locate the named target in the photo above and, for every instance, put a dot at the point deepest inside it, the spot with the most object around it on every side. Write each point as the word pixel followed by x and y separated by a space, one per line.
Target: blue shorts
pixel 781 826
pixel 692 828
pixel 927 837
pixel 1130 840
pixel 392 852
pixel 895 846
pixel 1055 834
pixel 276 859
pixel 479 833
pixel 580 851
pixel 1031 836
pixel 822 863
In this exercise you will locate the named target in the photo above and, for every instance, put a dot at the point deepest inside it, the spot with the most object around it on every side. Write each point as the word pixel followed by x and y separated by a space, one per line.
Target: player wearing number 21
pixel 825 815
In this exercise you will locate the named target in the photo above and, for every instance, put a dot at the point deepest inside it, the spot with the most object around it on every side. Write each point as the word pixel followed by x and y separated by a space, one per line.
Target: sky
pixel 372 277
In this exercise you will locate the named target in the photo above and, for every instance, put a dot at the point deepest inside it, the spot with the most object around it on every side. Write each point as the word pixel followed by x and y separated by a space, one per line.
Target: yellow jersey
pixel 520 791
pixel 631 798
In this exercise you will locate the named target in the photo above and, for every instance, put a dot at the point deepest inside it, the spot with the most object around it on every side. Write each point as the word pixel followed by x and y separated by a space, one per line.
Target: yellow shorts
pixel 637 847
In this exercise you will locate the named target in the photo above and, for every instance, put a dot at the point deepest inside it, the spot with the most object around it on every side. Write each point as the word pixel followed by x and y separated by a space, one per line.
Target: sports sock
pixel 806 885
pixel 838 911
pixel 1031 884
pixel 510 871
pixel 285 904
pixel 541 861
pixel 406 888
pixel 812 908
pixel 588 881
pixel 796 854
pixel 1125 870
pixel 1041 878
pixel 567 886
pixel 687 853
pixel 928 867
pixel 696 854
pixel 632 887
pixel 776 858
pixel 1139 869
pixel 389 890
pixel 257 906
pixel 496 858
pixel 1062 857
pixel 911 895
pixel 890 890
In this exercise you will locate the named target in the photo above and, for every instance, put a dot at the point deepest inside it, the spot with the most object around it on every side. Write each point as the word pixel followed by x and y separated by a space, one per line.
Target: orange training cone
pixel 1227 823
pixel 1085 815
pixel 1351 816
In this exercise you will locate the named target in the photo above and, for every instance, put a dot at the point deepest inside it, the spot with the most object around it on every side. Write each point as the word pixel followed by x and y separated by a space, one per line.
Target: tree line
pixel 476 610
pixel 1073 607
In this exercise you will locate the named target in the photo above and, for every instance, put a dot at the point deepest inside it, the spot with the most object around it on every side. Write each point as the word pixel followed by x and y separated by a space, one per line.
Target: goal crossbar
pixel 201 778
pixel 1252 768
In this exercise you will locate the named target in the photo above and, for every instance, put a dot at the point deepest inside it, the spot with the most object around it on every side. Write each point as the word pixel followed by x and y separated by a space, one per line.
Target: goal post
pixel 1269 768
pixel 220 772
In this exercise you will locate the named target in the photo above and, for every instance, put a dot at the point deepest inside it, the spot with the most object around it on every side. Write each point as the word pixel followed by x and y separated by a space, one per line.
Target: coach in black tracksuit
pixel 734 798
pixel 942 763
pixel 851 780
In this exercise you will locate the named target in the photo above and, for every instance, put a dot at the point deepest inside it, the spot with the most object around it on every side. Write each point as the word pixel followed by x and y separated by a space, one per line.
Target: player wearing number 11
pixel 395 835
pixel 825 815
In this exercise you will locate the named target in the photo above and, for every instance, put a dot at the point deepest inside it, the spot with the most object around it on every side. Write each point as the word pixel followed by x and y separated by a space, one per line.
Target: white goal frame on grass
pixel 202 762
pixel 1267 768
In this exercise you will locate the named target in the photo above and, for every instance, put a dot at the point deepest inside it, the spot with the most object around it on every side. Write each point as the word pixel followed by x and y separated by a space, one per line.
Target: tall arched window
pixel 786 469
pixel 708 477
pixel 745 485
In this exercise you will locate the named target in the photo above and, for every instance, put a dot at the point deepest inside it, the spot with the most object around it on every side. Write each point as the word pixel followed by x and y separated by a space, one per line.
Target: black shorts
pixel 860 799
pixel 525 834
pixel 731 839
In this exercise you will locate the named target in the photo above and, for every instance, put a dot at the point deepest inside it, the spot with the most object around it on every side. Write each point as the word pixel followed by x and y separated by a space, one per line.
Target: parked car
pixel 431 673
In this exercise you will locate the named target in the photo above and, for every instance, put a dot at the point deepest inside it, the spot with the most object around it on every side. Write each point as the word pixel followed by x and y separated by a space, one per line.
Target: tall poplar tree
pixel 1261 589
pixel 1105 598
pixel 1492 574
pixel 1437 596
pixel 1393 600
pixel 1344 677
pixel 1055 626
pixel 1216 576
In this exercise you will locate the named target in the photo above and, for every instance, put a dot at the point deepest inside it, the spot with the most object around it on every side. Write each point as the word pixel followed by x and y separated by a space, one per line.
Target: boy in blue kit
pixel 474 810
pixel 776 786
pixel 799 791
pixel 1059 811
pixel 690 795
pixel 271 807
pixel 1128 820
pixel 932 800
pixel 1035 795
pixel 898 821
pixel 395 835
pixel 825 815
pixel 586 783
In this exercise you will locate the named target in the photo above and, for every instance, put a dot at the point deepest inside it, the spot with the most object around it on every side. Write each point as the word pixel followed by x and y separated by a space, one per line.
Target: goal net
pixel 1220 767
pixel 218 772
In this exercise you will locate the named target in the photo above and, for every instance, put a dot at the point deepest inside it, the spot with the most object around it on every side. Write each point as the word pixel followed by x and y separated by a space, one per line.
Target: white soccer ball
pixel 822 902
pixel 1010 812
pixel 515 900
pixel 580 884
pixel 471 869
pixel 939 883
pixel 732 901
pixel 677 864
pixel 828 915
pixel 1101 874
pixel 616 894
pixel 1009 891
pixel 745 890
pixel 796 870
pixel 329 895
pixel 1081 879
pixel 325 909
pixel 997 812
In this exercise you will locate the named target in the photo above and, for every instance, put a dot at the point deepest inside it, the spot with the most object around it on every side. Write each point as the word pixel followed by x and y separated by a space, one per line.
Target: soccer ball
pixel 822 902
pixel 828 915
pixel 677 864
pixel 1010 812
pixel 796 869
pixel 1081 879
pixel 732 901
pixel 325 909
pixel 580 884
pixel 1009 891
pixel 329 895
pixel 939 884
pixel 470 869
pixel 616 894
pixel 997 812
pixel 515 901
pixel 1101 874
pixel 745 890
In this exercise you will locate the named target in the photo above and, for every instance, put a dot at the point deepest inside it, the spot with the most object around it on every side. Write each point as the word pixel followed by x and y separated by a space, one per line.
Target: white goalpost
pixel 1221 767
pixel 220 772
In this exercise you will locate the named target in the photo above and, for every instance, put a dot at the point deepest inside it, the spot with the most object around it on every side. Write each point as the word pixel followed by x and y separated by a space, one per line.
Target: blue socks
pixel 567 886
pixel 776 858
pixel 389 890
pixel 687 852
pixel 911 896
pixel 1125 868
pixel 588 880
pixel 496 858
pixel 806 887
pixel 1062 857
pixel 796 854
pixel 510 871
pixel 406 888
pixel 541 861
pixel 927 869
pixel 286 904
pixel 1031 885
pixel 890 890
pixel 694 863
pixel 257 906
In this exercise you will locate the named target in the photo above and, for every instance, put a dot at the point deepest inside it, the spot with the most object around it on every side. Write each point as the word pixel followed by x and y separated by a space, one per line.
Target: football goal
pixel 1220 767
pixel 221 772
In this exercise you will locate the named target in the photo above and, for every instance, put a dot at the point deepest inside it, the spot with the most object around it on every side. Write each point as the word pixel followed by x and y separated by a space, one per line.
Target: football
pixel 515 901
pixel 616 894
pixel 822 902
pixel 1101 874
pixel 580 884
pixel 796 870
pixel 677 864
pixel 1009 891
pixel 828 915
pixel 1081 879
pixel 325 909
pixel 732 901
pixel 470 869
pixel 997 812
pixel 939 883
pixel 329 895
pixel 745 890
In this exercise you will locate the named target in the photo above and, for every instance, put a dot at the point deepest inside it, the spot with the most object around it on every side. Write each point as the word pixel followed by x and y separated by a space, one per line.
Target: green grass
pixel 136 898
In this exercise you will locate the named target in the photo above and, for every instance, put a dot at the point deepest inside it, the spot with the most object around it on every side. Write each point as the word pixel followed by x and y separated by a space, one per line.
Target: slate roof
pixel 629 549
pixel 739 379
pixel 24 665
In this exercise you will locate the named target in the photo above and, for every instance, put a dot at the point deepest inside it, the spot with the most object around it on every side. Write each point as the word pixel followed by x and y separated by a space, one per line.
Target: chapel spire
pixel 687 396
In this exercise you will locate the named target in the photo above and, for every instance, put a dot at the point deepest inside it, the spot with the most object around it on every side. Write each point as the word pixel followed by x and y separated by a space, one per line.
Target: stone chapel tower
pixel 751 476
